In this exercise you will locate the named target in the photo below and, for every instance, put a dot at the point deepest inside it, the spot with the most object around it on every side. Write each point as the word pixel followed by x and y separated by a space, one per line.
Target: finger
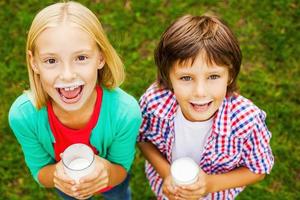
pixel 83 197
pixel 66 186
pixel 92 189
pixel 191 195
pixel 101 179
pixel 170 196
pixel 98 174
pixel 63 178
pixel 62 184
pixel 192 187
pixel 64 190
pixel 181 198
pixel 60 174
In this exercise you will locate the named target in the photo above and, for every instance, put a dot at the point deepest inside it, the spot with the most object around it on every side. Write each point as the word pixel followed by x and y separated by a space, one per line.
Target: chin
pixel 72 107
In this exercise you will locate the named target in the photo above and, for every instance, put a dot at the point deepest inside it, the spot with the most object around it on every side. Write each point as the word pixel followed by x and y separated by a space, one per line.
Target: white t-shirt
pixel 190 137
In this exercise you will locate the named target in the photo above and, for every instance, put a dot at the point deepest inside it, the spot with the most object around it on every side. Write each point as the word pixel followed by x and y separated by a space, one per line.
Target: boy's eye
pixel 213 77
pixel 50 61
pixel 186 78
pixel 81 58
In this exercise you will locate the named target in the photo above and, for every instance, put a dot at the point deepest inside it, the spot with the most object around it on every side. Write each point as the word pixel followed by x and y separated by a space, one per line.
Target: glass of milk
pixel 78 160
pixel 184 171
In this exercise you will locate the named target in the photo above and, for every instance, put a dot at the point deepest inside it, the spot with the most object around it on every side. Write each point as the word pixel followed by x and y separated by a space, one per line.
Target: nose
pixel 67 73
pixel 200 89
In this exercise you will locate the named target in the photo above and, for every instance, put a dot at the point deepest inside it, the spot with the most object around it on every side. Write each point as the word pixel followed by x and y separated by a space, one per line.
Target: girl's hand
pixel 197 190
pixel 169 190
pixel 62 181
pixel 92 183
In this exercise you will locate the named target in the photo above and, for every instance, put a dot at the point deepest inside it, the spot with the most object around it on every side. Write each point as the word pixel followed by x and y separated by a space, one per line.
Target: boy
pixel 194 110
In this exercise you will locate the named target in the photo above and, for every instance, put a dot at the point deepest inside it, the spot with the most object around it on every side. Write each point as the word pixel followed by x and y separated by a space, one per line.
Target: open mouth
pixel 70 94
pixel 201 107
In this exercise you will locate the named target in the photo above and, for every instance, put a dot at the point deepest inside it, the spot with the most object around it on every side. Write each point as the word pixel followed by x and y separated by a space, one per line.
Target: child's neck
pixel 79 118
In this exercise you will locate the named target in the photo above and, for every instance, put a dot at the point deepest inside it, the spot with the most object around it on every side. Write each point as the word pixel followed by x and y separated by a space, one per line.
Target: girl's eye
pixel 186 78
pixel 81 58
pixel 213 77
pixel 50 61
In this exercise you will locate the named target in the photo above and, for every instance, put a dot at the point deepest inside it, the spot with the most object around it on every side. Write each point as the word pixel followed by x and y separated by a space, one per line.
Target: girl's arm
pixel 46 175
pixel 116 173
pixel 53 176
pixel 154 156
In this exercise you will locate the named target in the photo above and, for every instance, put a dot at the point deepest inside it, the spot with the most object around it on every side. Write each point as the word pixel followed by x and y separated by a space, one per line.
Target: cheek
pixel 45 79
pixel 219 93
pixel 181 93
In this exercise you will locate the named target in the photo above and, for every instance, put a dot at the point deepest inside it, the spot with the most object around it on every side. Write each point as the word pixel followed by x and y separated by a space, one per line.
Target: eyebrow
pixel 214 70
pixel 76 52
pixel 83 50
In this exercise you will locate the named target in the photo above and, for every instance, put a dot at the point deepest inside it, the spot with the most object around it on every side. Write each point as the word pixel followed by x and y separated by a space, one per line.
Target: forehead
pixel 201 60
pixel 64 36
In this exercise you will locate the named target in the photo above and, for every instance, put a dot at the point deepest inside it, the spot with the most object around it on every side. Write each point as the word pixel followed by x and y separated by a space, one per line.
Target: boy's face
pixel 67 60
pixel 199 88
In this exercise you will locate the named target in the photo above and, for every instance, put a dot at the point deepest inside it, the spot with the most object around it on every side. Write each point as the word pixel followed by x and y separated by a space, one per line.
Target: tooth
pixel 67 89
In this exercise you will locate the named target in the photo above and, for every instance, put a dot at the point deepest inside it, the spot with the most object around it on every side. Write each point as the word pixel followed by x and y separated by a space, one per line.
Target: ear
pixel 101 62
pixel 32 62
pixel 230 81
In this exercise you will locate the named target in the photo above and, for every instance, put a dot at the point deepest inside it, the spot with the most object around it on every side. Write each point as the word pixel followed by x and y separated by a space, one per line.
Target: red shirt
pixel 65 136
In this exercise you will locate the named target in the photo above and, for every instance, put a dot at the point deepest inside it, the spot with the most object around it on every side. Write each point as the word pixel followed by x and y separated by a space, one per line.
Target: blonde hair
pixel 111 75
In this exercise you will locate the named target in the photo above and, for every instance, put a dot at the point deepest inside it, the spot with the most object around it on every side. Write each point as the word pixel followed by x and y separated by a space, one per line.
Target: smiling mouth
pixel 201 107
pixel 70 94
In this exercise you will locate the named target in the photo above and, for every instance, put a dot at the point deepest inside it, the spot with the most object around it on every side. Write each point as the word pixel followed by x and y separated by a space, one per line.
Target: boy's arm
pixel 154 156
pixel 236 178
pixel 218 182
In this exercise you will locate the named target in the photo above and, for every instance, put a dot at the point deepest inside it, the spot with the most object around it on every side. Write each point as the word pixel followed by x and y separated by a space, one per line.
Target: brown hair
pixel 189 35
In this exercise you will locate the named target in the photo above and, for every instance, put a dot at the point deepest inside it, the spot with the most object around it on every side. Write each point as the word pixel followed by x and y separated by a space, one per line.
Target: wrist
pixel 107 168
pixel 212 185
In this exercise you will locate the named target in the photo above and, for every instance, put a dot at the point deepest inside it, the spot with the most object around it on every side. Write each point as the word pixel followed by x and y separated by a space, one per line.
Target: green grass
pixel 268 32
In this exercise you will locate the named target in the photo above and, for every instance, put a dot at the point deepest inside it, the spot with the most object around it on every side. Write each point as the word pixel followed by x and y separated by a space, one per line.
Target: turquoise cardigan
pixel 114 135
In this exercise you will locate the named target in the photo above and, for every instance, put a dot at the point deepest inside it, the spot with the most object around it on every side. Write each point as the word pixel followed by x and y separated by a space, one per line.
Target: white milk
pixel 78 168
pixel 184 171
pixel 79 164
pixel 78 161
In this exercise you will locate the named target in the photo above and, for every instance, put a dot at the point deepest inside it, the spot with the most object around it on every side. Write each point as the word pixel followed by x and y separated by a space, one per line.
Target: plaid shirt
pixel 239 137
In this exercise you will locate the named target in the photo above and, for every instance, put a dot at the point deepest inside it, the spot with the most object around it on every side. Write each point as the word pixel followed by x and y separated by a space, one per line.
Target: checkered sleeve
pixel 145 120
pixel 257 154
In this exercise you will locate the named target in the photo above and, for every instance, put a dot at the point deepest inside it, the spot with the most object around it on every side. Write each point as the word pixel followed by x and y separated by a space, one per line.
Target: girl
pixel 74 75
pixel 194 110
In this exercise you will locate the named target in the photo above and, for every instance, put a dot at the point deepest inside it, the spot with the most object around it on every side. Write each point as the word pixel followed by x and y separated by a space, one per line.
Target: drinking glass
pixel 78 160
pixel 184 171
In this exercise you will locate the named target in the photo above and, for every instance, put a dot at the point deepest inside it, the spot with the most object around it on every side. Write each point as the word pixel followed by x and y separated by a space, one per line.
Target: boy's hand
pixel 62 181
pixel 197 190
pixel 169 190
pixel 95 181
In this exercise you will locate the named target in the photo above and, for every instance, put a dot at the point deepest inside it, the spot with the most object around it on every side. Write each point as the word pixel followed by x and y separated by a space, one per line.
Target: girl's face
pixel 199 88
pixel 67 60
